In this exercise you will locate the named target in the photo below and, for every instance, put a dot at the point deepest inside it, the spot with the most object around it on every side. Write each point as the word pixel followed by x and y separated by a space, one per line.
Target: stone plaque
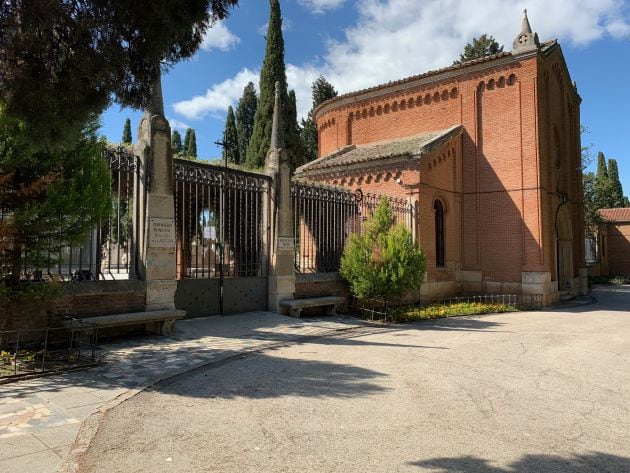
pixel 285 244
pixel 162 233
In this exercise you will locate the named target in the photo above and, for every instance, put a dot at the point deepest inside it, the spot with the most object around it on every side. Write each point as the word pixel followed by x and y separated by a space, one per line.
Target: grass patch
pixel 614 280
pixel 439 311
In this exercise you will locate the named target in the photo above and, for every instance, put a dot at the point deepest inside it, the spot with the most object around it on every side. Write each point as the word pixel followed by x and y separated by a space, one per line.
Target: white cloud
pixel 219 37
pixel 393 39
pixel 217 98
pixel 287 25
pixel 177 124
pixel 320 6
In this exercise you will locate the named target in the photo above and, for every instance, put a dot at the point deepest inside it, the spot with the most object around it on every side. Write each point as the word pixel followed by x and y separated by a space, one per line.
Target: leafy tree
pixel 479 48
pixel 322 90
pixel 245 113
pixel 273 70
pixel 176 142
pixel 230 138
pixel 126 137
pixel 191 149
pixel 63 61
pixel 615 184
pixel 603 184
pixel 54 197
pixel 384 262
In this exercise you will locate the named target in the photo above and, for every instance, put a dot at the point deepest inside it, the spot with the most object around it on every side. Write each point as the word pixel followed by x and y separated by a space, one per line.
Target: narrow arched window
pixel 438 209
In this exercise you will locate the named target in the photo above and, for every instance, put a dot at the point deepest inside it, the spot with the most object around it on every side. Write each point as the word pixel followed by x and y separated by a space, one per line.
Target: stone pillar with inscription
pixel 157 261
pixel 281 246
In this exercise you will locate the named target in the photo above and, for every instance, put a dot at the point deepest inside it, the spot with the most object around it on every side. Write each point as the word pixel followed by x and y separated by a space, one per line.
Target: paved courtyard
pixel 526 392
pixel 40 418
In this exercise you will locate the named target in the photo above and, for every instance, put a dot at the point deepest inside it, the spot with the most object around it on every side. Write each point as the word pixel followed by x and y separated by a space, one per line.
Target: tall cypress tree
pixel 186 141
pixel 615 184
pixel 191 150
pixel 245 113
pixel 176 142
pixel 322 90
pixel 603 189
pixel 273 70
pixel 230 138
pixel 126 137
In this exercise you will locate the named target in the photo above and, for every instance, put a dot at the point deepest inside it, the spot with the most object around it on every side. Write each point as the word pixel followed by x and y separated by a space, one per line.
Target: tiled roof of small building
pixel 408 147
pixel 544 47
pixel 616 215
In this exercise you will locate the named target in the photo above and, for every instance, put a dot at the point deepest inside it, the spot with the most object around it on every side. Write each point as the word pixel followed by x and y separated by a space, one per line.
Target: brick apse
pixel 488 151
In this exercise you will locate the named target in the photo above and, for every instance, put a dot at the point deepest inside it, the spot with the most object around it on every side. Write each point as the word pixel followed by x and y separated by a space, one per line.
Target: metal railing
pixel 325 217
pixel 110 250
pixel 25 352
pixel 219 221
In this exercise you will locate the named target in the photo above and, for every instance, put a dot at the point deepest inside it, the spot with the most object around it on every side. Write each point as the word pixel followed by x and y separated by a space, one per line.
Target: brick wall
pixel 619 249
pixel 83 300
pixel 516 163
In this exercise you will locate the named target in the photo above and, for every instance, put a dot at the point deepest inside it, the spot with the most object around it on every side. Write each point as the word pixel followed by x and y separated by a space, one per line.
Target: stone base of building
pixel 160 294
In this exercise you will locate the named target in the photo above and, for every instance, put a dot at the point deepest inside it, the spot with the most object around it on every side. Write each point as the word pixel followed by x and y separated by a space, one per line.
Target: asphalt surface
pixel 525 392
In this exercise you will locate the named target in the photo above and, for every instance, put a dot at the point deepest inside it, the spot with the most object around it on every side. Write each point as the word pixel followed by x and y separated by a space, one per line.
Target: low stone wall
pixel 78 299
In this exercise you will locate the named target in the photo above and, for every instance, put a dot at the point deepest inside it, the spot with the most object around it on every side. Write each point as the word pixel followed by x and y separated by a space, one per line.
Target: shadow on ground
pixel 259 376
pixel 586 463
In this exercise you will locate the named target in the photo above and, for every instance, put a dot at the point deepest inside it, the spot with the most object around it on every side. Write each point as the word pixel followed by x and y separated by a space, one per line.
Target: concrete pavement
pixel 40 418
pixel 520 392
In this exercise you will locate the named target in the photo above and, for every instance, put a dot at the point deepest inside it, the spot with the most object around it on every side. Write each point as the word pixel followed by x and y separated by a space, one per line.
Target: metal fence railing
pixel 324 218
pixel 110 250
pixel 219 221
pixel 25 352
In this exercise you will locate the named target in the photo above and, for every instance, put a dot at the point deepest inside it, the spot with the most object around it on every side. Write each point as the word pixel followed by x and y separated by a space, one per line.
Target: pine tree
pixel 230 138
pixel 479 48
pixel 176 142
pixel 615 184
pixel 186 141
pixel 73 59
pixel 191 150
pixel 245 113
pixel 322 90
pixel 603 188
pixel 126 138
pixel 273 70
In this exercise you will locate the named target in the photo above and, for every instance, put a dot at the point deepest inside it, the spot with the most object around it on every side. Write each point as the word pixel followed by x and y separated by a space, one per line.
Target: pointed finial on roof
pixel 525 26
pixel 277 133
pixel 156 105
pixel 526 39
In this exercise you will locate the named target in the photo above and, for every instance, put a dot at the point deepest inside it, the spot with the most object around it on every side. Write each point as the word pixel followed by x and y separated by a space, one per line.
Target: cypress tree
pixel 322 90
pixel 294 130
pixel 603 189
pixel 230 137
pixel 245 113
pixel 273 70
pixel 186 141
pixel 176 142
pixel 126 138
pixel 191 151
pixel 615 183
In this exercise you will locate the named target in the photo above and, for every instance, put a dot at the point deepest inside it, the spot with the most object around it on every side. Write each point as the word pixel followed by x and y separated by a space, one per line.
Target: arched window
pixel 438 209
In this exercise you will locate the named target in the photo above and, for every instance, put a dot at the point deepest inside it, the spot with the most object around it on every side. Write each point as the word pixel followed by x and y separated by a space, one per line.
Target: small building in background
pixel 612 244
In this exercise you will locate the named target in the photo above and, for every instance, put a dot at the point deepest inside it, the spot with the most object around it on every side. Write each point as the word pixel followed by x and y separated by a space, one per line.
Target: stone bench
pixel 296 306
pixel 156 321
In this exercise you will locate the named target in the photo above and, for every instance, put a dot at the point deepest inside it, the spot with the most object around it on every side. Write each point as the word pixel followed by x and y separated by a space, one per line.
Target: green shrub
pixel 384 262
pixel 438 311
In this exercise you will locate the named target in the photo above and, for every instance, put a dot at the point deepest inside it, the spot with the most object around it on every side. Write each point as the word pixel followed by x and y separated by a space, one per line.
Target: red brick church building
pixel 488 151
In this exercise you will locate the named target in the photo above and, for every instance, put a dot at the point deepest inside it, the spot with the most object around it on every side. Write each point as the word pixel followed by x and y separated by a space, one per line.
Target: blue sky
pixel 360 43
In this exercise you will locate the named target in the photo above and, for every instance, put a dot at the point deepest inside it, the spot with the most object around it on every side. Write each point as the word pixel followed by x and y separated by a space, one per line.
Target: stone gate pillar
pixel 281 245
pixel 156 235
